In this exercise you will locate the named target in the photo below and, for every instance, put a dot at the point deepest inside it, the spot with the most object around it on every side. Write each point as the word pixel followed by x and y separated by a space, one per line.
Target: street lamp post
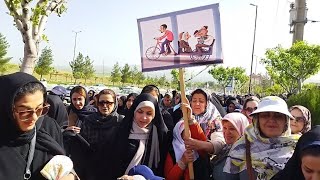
pixel 75 43
pixel 254 39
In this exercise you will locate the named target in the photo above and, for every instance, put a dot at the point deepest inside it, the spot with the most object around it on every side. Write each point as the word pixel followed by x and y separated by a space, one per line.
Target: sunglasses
pixel 102 103
pixel 27 114
pixel 299 119
pixel 250 109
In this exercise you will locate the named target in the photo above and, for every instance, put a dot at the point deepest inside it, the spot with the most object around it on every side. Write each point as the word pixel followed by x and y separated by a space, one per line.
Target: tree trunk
pixel 299 85
pixel 30 55
pixel 41 77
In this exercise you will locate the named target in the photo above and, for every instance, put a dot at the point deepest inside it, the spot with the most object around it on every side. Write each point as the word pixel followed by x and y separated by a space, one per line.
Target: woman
pixel 26 144
pixel 209 118
pixel 176 165
pixel 79 108
pixel 233 125
pixel 267 144
pixel 130 99
pixel 91 94
pixel 305 162
pixel 301 122
pixel 121 105
pixel 99 129
pixel 141 139
pixel 250 105
pixel 231 104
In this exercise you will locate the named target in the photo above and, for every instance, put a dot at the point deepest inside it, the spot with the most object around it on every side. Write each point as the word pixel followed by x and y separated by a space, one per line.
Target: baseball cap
pixel 272 104
pixel 144 171
pixel 59 90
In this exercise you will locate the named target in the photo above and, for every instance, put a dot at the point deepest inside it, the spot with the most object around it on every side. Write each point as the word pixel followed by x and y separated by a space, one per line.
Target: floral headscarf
pixel 307 116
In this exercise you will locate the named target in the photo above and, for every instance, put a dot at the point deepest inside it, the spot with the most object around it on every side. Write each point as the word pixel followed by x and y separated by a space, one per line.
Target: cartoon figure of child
pixel 184 44
pixel 169 38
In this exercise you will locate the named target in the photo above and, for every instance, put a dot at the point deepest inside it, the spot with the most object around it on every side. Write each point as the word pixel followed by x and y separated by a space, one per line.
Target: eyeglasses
pixel 27 114
pixel 250 109
pixel 299 119
pixel 102 103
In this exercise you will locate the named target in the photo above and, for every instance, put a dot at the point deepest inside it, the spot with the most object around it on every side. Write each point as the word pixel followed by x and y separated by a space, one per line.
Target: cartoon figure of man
pixel 204 40
pixel 169 38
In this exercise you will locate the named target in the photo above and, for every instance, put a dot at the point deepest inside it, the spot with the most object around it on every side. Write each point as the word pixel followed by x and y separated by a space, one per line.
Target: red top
pixel 173 171
pixel 167 34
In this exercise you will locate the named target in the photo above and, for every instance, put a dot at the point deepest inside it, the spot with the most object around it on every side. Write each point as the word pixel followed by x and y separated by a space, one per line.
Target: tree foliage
pixel 77 66
pixel 116 73
pixel 88 69
pixel 43 66
pixel 175 79
pixel 224 76
pixel 290 67
pixel 126 74
pixel 3 52
pixel 30 18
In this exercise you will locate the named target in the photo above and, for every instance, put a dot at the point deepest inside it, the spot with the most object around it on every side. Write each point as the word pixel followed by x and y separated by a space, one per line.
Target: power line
pixel 198 73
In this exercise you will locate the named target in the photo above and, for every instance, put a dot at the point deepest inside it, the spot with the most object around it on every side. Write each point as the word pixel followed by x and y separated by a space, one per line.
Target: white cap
pixel 272 104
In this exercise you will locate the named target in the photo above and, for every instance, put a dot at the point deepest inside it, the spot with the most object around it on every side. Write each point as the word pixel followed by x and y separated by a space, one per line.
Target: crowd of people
pixel 142 136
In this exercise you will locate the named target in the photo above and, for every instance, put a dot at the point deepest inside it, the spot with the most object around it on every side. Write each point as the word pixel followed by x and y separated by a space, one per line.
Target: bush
pixel 310 99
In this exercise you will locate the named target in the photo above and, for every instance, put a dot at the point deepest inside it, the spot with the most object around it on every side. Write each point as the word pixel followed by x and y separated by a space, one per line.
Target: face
pixel 250 107
pixel 154 94
pixel 90 93
pixel 162 29
pixel 130 102
pixel 272 124
pixel 310 166
pixel 167 101
pixel 177 99
pixel 296 124
pixel 198 104
pixel 231 107
pixel 28 109
pixel 120 102
pixel 78 100
pixel 230 133
pixel 143 116
pixel 106 104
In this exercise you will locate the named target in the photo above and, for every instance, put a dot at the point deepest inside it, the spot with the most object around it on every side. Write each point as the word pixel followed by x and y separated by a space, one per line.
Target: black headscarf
pixel 14 144
pixel 292 170
pixel 86 110
pixel 126 126
pixel 57 109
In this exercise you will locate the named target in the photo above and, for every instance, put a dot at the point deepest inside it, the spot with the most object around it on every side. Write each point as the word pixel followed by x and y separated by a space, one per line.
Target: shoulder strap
pixel 27 174
pixel 248 159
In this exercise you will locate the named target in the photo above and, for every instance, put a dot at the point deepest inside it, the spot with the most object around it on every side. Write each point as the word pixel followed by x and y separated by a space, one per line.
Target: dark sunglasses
pixel 250 109
pixel 27 114
pixel 299 119
pixel 102 103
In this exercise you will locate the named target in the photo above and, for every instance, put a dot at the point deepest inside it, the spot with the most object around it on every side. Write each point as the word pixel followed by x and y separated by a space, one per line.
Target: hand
pixel 74 128
pixel 187 157
pixel 192 144
pixel 68 177
pixel 125 177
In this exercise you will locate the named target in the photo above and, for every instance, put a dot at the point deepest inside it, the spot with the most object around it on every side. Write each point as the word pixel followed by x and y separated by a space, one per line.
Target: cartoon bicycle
pixel 153 52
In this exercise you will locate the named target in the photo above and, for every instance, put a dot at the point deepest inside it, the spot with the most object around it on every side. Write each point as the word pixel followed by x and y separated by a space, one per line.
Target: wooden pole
pixel 185 116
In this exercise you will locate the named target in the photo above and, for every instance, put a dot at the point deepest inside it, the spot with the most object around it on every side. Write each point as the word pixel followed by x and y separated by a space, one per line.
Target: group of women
pixel 110 137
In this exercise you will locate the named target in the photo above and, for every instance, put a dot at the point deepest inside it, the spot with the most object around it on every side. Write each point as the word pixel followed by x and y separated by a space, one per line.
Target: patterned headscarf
pixel 268 155
pixel 307 116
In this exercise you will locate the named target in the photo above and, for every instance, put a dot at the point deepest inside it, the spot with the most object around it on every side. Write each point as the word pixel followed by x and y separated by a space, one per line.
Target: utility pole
pixel 75 43
pixel 254 40
pixel 300 21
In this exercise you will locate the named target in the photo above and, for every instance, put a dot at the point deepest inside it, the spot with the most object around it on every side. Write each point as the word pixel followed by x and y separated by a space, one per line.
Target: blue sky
pixel 110 33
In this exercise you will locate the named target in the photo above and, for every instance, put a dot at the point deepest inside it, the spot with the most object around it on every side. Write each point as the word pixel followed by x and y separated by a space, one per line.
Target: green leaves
pixel 43 66
pixel 3 52
pixel 116 74
pixel 77 66
pixel 290 67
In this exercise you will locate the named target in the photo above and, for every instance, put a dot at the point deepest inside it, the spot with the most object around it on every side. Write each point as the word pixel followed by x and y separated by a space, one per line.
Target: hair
pixel 164 26
pixel 123 99
pixel 195 32
pixel 311 150
pixel 199 91
pixel 249 99
pixel 150 88
pixel 167 96
pixel 132 94
pixel 30 88
pixel 105 92
pixel 80 90
pixel 205 27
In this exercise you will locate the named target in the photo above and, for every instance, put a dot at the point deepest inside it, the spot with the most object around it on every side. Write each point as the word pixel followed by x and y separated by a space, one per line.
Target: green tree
pixel 77 66
pixel 3 52
pixel 88 70
pixel 290 67
pixel 43 66
pixel 175 79
pixel 222 75
pixel 162 81
pixel 240 78
pixel 116 73
pixel 126 74
pixel 30 18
